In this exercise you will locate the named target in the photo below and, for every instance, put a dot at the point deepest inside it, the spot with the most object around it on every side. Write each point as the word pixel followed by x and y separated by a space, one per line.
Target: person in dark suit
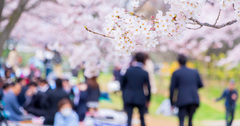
pixel 132 86
pixel 81 107
pixel 53 97
pixel 36 104
pixel 21 96
pixel 184 87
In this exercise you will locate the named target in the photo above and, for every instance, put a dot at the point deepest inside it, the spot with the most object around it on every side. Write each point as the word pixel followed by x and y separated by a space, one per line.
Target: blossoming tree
pixel 130 31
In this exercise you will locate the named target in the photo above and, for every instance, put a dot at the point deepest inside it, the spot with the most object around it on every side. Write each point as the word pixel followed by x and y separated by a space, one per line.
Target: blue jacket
pixel 60 120
pixel 12 107
pixel 184 87
pixel 132 86
pixel 229 102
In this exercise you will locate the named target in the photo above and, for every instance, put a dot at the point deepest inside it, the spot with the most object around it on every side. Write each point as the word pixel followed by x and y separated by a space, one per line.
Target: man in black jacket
pixel 37 103
pixel 53 97
pixel 132 86
pixel 184 90
pixel 21 96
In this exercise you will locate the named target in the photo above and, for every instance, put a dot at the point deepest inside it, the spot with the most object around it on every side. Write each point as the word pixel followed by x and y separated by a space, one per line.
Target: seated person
pixel 6 87
pixel 34 103
pixel 66 116
pixel 81 101
pixel 11 104
pixel 21 96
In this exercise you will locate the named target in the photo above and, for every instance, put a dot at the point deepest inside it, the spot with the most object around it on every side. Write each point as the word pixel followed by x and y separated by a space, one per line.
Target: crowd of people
pixel 24 99
pixel 27 97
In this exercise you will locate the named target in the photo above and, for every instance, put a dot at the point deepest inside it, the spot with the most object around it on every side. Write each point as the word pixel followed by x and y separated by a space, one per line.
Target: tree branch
pixel 37 4
pixel 1 9
pixel 219 13
pixel 140 6
pixel 13 19
pixel 3 18
pixel 213 26
pixel 41 18
pixel 194 28
pixel 98 33
pixel 33 5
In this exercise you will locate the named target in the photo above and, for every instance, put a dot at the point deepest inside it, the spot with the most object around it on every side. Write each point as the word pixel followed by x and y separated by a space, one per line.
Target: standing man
pixel 132 86
pixel 230 95
pixel 184 87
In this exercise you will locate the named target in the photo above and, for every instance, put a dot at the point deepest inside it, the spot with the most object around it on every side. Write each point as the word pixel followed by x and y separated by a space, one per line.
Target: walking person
pixel 184 87
pixel 132 86
pixel 230 95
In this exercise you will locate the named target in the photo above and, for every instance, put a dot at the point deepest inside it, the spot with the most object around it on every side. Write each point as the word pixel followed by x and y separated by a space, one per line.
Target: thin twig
pixel 38 3
pixel 214 26
pixel 33 5
pixel 134 14
pixel 219 13
pixel 45 19
pixel 98 33
pixel 210 2
pixel 195 28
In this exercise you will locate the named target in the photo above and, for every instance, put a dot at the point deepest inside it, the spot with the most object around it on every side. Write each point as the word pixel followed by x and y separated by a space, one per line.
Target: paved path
pixel 219 123
pixel 166 121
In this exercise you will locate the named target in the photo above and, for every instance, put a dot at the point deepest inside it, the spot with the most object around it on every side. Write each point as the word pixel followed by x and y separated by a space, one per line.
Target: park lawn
pixel 208 110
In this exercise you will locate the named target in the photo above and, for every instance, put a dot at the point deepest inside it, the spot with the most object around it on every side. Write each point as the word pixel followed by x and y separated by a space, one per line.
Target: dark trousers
pixel 184 111
pixel 129 109
pixel 81 117
pixel 229 116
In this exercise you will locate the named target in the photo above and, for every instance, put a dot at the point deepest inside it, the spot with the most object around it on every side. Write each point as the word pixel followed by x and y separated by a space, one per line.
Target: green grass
pixel 206 112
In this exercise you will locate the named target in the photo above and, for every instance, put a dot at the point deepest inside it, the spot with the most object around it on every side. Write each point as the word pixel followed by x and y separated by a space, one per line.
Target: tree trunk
pixel 16 14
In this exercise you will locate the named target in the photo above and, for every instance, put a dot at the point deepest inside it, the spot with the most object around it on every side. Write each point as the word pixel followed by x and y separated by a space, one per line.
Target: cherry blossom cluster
pixel 186 8
pixel 224 4
pixel 131 31
pixel 168 27
pixel 174 22
pixel 237 9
